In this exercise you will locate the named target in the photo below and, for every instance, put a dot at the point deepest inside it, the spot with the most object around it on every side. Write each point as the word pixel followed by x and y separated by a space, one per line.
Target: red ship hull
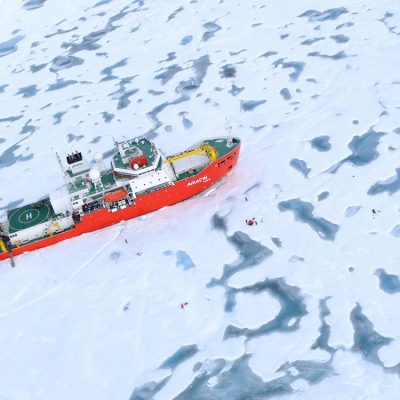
pixel 179 191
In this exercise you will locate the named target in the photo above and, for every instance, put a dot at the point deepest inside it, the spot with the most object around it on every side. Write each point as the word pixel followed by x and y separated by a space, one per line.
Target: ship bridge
pixel 135 157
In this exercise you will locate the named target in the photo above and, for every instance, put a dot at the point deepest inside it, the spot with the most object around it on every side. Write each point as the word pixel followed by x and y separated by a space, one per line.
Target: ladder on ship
pixel 205 148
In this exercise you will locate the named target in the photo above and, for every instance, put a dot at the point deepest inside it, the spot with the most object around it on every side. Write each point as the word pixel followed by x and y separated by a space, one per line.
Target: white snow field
pixel 302 305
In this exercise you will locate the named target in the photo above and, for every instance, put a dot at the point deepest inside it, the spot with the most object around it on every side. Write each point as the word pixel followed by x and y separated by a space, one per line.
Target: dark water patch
pixel 35 68
pixel 395 231
pixel 321 143
pixel 313 372
pixel 257 128
pixel 167 253
pixel 389 283
pixel 8 158
pixel 219 223
pixel 107 117
pixel 295 259
pixel 11 119
pixel 153 114
pixel 309 42
pixel 186 40
pixel 345 25
pixel 292 304
pixel 187 123
pixel 322 341
pixel 364 150
pixel 320 16
pixel 389 27
pixel 115 255
pixel 28 91
pixel 351 211
pixel 228 71
pixel 211 29
pixel 27 128
pixel 338 56
pixel 102 2
pixel 61 32
pixel 303 212
pixel 277 242
pixel 156 92
pixel 60 84
pixel 180 356
pixel 170 57
pixel 108 71
pixel 12 204
pixel 268 54
pixel 183 260
pixel 3 87
pixel 250 105
pixel 148 390
pixel 174 14
pixel 2 140
pixel 284 36
pixel 200 67
pixel 46 106
pixel 96 139
pixel 58 117
pixel 135 28
pixel 285 93
pixel 301 166
pixel 237 383
pixel 123 98
pixel 236 53
pixel 10 46
pixel 323 196
pixel 89 42
pixel 340 38
pixel 391 185
pixel 297 66
pixel 251 254
pixel 72 137
pixel 366 340
pixel 168 74
pixel 63 62
pixel 33 4
pixel 108 153
pixel 197 366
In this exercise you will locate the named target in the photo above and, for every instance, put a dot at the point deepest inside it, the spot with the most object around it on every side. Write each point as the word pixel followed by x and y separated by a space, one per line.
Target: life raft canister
pixel 116 195
pixel 139 160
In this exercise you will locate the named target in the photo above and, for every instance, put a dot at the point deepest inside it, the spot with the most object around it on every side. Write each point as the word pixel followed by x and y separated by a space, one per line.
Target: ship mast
pixel 62 168
pixel 228 129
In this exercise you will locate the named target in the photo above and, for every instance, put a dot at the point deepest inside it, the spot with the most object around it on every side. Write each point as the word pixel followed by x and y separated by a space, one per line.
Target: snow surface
pixel 303 304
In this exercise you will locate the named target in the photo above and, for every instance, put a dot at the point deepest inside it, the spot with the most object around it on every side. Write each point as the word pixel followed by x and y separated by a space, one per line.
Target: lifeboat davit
pixel 115 195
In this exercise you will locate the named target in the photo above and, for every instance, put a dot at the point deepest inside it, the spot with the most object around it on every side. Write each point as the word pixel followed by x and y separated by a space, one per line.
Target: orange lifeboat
pixel 139 160
pixel 116 195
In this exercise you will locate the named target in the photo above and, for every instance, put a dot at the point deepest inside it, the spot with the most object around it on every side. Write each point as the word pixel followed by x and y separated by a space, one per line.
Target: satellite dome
pixel 94 174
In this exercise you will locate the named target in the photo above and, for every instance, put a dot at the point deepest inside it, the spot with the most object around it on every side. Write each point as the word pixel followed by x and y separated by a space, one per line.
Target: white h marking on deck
pixel 28 216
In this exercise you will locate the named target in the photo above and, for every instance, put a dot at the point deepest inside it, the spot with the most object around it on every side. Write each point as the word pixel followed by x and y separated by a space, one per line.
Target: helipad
pixel 29 215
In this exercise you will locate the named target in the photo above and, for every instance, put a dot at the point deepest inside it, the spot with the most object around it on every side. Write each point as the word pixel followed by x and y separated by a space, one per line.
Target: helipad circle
pixel 28 216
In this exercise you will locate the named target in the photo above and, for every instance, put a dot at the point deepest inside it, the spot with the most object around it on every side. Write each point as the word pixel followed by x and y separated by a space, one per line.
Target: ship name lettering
pixel 204 178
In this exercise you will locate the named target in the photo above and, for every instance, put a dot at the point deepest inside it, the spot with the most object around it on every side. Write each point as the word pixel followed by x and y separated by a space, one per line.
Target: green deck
pixel 145 146
pixel 30 215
